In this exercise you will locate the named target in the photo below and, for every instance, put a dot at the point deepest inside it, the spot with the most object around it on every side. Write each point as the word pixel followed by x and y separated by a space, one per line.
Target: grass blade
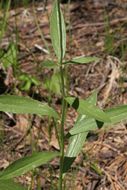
pixel 26 164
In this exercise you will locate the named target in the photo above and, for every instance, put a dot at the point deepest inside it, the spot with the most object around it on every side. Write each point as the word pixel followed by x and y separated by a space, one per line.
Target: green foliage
pixel 115 43
pixel 109 37
pixel 82 60
pixel 117 114
pixel 84 124
pixel 26 2
pixel 58 31
pixel 26 164
pixel 50 64
pixel 10 185
pixel 14 3
pixel 3 22
pixel 90 116
pixel 10 57
pixel 84 107
pixel 96 168
pixel 17 104
pixel 53 84
pixel 109 43
pixel 77 141
pixel 27 81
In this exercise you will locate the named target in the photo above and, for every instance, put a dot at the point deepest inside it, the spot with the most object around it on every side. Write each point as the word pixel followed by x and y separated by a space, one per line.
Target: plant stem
pixel 63 109
pixel 63 115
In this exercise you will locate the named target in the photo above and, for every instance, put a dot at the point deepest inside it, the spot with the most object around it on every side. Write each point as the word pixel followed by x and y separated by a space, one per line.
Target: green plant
pixel 27 81
pixel 115 41
pixel 109 37
pixel 90 116
pixel 9 58
pixel 3 20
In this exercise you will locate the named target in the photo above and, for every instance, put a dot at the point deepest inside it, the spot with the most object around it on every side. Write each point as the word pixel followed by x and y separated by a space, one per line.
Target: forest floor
pixel 94 28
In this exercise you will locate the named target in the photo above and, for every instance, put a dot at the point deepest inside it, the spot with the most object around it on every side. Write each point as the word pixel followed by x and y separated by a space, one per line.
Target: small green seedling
pixel 9 58
pixel 27 81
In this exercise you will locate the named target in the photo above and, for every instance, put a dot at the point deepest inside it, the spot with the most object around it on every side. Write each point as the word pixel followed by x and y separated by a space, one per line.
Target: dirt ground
pixel 95 28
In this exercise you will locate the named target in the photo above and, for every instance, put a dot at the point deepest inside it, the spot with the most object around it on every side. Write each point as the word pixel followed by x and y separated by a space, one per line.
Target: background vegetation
pixel 55 64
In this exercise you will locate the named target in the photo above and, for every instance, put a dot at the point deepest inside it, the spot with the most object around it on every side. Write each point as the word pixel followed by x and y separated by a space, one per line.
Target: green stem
pixel 63 116
pixel 63 109
pixel 57 132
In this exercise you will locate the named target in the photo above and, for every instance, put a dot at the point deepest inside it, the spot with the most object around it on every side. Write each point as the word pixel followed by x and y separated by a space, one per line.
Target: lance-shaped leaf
pixel 10 185
pixel 82 60
pixel 86 108
pixel 23 105
pixel 84 124
pixel 117 114
pixel 77 141
pixel 26 164
pixel 57 30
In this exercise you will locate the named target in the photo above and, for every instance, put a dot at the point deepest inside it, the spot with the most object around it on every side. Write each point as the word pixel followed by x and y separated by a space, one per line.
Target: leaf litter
pixel 105 151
